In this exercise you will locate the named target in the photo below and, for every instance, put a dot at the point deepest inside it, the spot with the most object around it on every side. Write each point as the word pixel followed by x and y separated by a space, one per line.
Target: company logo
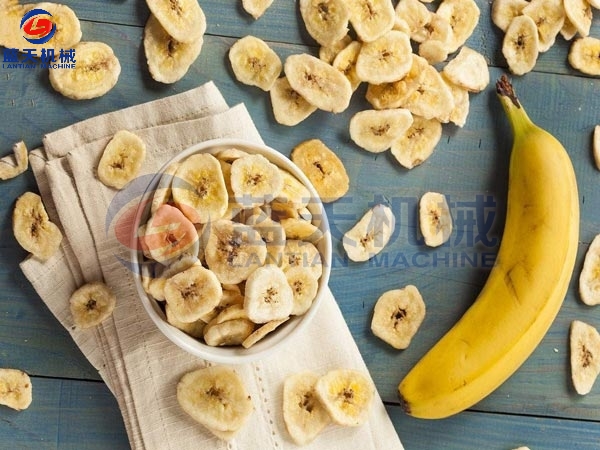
pixel 37 26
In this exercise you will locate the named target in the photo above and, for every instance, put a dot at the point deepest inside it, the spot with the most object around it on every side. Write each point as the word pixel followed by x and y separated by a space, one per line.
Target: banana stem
pixel 518 118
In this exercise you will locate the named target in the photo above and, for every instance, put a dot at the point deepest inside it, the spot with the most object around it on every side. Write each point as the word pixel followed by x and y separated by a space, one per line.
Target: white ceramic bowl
pixel 286 333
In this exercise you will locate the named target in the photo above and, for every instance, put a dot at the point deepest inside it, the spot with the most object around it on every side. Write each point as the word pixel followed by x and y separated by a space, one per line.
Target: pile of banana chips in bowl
pixel 233 250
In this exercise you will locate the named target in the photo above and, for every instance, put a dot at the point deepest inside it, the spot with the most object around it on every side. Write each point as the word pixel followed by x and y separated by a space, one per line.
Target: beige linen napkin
pixel 140 365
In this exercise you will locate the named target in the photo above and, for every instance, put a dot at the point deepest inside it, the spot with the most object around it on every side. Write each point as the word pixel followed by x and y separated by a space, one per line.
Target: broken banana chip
pixel 304 415
pixel 254 63
pixel 347 396
pixel 376 130
pixel 15 164
pixel 289 107
pixel 318 82
pixel 468 70
pixel 589 278
pixel 325 20
pixel 91 304
pixel 520 45
pixel 397 316
pixel 16 390
pixel 504 11
pixel 584 55
pixel 216 398
pixel 345 62
pixel 32 228
pixel 268 296
pixel 262 331
pixel 585 356
pixel 435 220
pixel 182 19
pixel 579 13
pixel 418 143
pixel 96 72
pixel 229 333
pixel 256 8
pixel 386 59
pixel 370 234
pixel 323 168
pixel 121 159
pixel 371 19
pixel 168 59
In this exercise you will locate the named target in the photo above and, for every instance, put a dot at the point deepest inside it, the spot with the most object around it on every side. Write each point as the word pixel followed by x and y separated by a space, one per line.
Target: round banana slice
pixel 294 193
pixel 371 19
pixel 432 98
pixel 323 168
pixel 435 220
pixel 66 24
pixel 169 234
pixel 370 234
pixel 347 395
pixel 589 278
pixel 262 331
pixel 585 356
pixel 215 397
pixel 549 17
pixel 504 11
pixel 268 296
pixel 325 20
pixel 318 82
pixel 418 143
pixel 397 316
pixel 272 233
pixel 304 286
pixel 596 146
pixel 192 293
pixel 255 180
pixel 182 19
pixel 15 164
pixel 579 13
pixel 256 8
pixel 584 55
pixel 16 390
pixel 469 70
pixel 520 45
pixel 289 107
pixel 32 227
pixel 376 130
pixel 463 16
pixel 199 189
pixel 304 415
pixel 233 251
pixel 345 62
pixel 254 63
pixel 168 59
pixel 96 72
pixel 228 333
pixel 121 159
pixel 386 59
pixel 91 304
pixel 303 254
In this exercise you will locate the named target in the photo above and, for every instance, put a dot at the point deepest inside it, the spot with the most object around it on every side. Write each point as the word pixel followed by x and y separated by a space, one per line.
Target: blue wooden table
pixel 537 406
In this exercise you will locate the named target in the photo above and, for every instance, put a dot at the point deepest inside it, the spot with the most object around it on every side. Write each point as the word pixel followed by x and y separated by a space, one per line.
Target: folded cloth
pixel 140 366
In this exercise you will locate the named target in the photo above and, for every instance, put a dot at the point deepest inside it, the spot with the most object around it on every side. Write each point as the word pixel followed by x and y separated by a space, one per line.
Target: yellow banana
pixel 524 290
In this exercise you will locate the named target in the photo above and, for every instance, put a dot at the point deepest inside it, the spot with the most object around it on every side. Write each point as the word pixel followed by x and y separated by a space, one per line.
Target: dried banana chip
pixel 228 333
pixel 323 168
pixel 433 51
pixel 318 82
pixel 435 219
pixel 168 59
pixel 584 55
pixel 16 390
pixel 325 20
pixel 262 331
pixel 596 146
pixel 254 63
pixel 458 115
pixel 96 72
pixel 255 180
pixel 386 59
pixel 289 107
pixel 415 15
pixel 585 356
pixel 589 278
pixel 304 286
pixel 397 316
pixel 418 143
pixel 345 62
pixel 91 304
pixel 463 16
pixel 32 228
pixel 328 53
pixel 371 19
pixel 268 296
pixel 256 8
pixel 520 45
pixel 432 98
pixel 369 236
pixel 549 17
pixel 468 70
pixel 182 19
pixel 579 13
pixel 376 130
pixel 121 159
pixel 504 11
pixel 15 164
pixel 303 254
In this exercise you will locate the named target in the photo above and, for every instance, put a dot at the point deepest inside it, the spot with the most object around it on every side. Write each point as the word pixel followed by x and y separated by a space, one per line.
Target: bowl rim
pixel 289 330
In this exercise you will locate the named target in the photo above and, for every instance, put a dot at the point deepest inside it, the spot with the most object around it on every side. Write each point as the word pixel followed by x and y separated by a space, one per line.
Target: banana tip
pixel 504 88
